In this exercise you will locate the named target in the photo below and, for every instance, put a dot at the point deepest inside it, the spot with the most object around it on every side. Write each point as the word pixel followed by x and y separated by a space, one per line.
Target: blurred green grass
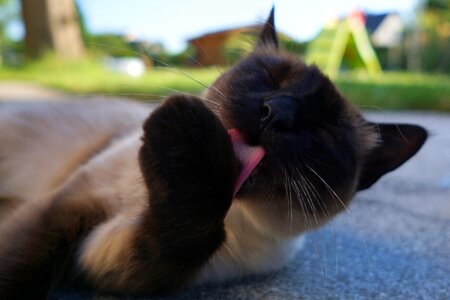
pixel 90 77
pixel 389 91
pixel 395 91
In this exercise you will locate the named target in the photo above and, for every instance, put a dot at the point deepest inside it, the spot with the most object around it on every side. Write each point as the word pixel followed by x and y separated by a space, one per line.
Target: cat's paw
pixel 188 154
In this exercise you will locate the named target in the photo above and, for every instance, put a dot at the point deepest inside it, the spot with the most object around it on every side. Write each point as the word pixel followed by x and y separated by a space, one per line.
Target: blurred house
pixel 225 47
pixel 211 48
pixel 386 33
pixel 385 29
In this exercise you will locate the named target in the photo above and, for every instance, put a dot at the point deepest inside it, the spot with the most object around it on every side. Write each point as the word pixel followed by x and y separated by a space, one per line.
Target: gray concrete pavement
pixel 393 244
pixel 23 91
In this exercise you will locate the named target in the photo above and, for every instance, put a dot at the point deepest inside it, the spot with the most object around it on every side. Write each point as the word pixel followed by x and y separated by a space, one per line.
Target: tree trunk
pixel 52 25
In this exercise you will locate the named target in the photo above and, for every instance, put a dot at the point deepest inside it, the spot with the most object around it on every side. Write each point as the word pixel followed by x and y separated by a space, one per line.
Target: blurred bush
pixel 435 37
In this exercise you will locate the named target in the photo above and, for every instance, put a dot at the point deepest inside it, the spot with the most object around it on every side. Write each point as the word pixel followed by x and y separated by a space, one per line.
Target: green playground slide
pixel 328 48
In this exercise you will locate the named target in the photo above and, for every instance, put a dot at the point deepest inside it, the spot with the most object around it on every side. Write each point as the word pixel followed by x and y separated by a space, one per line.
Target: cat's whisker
pixel 300 200
pixel 330 189
pixel 287 192
pixel 272 192
pixel 173 90
pixel 189 76
pixel 316 194
pixel 147 94
pixel 306 193
pixel 311 195
pixel 289 200
pixel 125 86
pixel 313 189
pixel 104 45
pixel 401 133
pixel 321 264
pixel 290 204
pixel 165 66
pixel 310 199
pixel 372 107
pixel 309 157
pixel 308 183
pixel 302 205
pixel 128 95
pixel 193 78
pixel 215 111
pixel 301 195
pixel 209 56
pixel 218 105
pixel 337 197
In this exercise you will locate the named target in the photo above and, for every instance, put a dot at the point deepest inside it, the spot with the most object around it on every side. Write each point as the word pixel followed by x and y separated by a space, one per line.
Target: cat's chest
pixel 247 251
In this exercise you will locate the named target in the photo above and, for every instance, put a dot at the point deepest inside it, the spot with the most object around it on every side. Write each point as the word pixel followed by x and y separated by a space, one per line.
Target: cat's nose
pixel 278 114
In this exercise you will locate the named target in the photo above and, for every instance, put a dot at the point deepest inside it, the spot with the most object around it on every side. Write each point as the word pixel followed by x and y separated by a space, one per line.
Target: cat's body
pixel 126 203
pixel 100 141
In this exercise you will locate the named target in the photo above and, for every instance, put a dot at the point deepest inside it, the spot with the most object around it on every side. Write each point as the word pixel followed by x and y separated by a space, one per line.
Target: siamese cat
pixel 128 199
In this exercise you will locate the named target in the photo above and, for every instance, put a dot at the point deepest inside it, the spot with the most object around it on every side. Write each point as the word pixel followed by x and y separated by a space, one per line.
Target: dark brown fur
pixel 34 254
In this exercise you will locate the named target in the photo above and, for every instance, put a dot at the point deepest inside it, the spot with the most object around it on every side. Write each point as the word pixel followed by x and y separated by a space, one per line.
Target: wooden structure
pixel 210 48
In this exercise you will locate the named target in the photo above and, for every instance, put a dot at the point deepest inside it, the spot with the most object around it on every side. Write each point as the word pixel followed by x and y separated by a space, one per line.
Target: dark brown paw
pixel 187 153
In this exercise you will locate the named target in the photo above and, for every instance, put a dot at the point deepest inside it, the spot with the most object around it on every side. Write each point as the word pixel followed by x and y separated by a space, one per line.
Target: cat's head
pixel 319 149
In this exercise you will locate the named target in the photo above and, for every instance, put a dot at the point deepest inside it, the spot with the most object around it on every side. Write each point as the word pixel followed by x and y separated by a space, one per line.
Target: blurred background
pixel 382 54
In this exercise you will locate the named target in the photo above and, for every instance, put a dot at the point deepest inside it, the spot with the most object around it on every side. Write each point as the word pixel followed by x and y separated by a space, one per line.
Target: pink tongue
pixel 249 157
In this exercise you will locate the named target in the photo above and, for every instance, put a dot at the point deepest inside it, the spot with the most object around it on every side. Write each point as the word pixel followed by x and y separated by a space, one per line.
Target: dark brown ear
pixel 398 143
pixel 268 35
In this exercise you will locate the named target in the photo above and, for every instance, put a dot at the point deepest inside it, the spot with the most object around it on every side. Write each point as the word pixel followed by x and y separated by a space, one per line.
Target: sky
pixel 173 22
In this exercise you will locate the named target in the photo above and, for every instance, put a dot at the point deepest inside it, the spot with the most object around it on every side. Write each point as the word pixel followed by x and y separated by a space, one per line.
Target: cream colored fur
pixel 45 147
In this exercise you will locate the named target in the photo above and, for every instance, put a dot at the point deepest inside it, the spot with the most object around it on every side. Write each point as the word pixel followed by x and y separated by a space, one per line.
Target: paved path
pixel 393 244
pixel 21 91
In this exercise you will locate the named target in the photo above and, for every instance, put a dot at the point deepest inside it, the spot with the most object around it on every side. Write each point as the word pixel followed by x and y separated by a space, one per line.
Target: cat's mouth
pixel 249 156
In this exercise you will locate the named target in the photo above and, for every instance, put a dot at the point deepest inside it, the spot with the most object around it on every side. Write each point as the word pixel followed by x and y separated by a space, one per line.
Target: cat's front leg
pixel 189 167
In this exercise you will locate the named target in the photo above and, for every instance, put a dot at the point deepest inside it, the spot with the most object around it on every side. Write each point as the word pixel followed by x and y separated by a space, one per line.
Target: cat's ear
pixel 268 35
pixel 397 144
